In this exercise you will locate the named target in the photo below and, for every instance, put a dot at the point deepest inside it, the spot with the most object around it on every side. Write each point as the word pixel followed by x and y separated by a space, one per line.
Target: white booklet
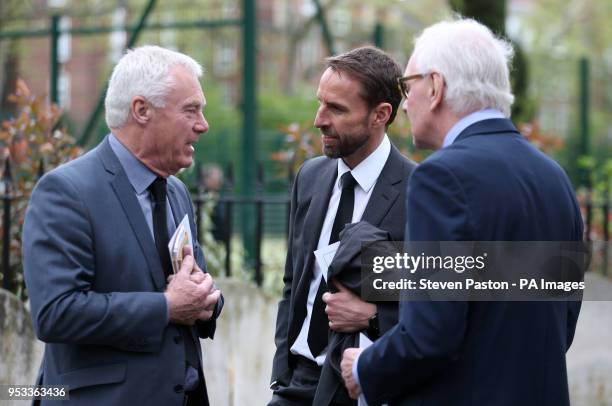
pixel 180 239
pixel 325 255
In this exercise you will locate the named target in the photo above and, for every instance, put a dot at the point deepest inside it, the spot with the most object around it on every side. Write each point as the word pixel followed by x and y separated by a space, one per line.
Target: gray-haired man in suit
pixel 118 330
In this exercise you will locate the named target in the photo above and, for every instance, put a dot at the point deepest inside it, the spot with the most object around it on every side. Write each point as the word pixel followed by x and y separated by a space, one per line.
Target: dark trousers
pixel 302 387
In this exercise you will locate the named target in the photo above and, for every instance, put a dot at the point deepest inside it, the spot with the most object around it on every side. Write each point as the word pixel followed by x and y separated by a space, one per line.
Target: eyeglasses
pixel 404 86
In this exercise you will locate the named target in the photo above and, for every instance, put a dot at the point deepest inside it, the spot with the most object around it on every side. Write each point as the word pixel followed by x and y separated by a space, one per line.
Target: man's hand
pixel 211 300
pixel 348 358
pixel 197 275
pixel 346 312
pixel 190 294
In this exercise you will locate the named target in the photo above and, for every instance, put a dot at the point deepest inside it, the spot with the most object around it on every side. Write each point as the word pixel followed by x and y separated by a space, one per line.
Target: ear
pixel 140 110
pixel 381 114
pixel 436 92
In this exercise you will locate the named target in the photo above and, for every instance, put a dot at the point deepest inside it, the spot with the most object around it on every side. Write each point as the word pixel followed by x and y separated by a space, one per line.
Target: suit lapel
pixel 386 190
pixel 178 211
pixel 125 194
pixel 313 222
pixel 318 205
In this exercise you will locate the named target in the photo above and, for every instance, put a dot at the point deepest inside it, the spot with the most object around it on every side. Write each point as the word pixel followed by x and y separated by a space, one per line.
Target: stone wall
pixel 589 359
pixel 20 351
pixel 238 362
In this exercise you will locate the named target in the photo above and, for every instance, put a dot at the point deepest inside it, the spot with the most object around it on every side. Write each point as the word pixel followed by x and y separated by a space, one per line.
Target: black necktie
pixel 160 230
pixel 160 223
pixel 319 325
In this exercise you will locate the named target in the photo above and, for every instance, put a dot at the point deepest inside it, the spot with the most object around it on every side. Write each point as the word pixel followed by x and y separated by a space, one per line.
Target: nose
pixel 201 126
pixel 320 118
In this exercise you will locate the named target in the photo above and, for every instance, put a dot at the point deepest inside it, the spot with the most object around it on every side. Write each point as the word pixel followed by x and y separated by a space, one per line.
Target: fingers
pixel 342 327
pixel 346 366
pixel 206 284
pixel 196 268
pixel 205 315
pixel 191 295
pixel 197 277
pixel 339 286
pixel 186 266
pixel 212 299
pixel 354 391
pixel 187 251
pixel 209 307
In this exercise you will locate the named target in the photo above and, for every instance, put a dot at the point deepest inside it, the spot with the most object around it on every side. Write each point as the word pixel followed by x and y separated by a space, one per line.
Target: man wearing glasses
pixel 485 183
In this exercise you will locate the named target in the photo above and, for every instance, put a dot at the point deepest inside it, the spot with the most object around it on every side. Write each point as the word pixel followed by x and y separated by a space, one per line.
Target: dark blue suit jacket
pixel 489 185
pixel 95 283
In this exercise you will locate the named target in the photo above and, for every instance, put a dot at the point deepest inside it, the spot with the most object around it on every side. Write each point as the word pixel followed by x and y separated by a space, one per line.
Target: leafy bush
pixel 31 143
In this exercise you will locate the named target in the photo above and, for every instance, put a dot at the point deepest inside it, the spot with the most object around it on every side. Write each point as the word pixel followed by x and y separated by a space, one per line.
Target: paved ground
pixel 589 360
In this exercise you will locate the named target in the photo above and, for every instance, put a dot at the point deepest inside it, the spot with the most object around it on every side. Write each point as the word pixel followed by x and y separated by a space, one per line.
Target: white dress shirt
pixel 366 174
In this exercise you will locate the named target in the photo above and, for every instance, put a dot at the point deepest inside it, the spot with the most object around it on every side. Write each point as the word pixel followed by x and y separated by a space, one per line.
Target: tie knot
pixel 158 190
pixel 347 181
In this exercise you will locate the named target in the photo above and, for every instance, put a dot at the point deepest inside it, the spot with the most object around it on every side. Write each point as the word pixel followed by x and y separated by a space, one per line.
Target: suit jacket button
pixel 178 388
pixel 178 339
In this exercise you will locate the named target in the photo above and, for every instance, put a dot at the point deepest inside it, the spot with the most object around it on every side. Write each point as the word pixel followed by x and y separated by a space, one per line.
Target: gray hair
pixel 475 64
pixel 143 71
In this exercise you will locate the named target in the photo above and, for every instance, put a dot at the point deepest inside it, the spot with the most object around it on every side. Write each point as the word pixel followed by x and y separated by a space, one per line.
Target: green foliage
pixel 33 143
pixel 274 251
pixel 523 109
pixel 214 251
pixel 599 173
pixel 276 109
pixel 221 143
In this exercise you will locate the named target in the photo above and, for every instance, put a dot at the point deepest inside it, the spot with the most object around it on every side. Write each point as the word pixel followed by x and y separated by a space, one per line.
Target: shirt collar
pixel 367 171
pixel 467 121
pixel 138 174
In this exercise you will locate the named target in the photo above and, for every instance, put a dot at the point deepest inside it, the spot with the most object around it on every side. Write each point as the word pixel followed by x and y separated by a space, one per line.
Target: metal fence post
pixel 290 178
pixel 259 224
pixel 379 34
pixel 249 129
pixel 606 229
pixel 228 220
pixel 54 62
pixel 41 168
pixel 589 214
pixel 584 117
pixel 7 281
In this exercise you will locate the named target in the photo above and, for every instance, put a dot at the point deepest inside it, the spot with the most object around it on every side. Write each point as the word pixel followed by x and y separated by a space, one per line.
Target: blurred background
pixel 262 63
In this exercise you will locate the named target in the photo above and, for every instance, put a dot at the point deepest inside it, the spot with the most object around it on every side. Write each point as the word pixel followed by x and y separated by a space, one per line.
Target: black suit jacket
pixel 346 269
pixel 489 185
pixel 312 190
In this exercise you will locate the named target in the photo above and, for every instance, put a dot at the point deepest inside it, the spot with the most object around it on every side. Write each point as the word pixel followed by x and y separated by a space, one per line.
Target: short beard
pixel 346 145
